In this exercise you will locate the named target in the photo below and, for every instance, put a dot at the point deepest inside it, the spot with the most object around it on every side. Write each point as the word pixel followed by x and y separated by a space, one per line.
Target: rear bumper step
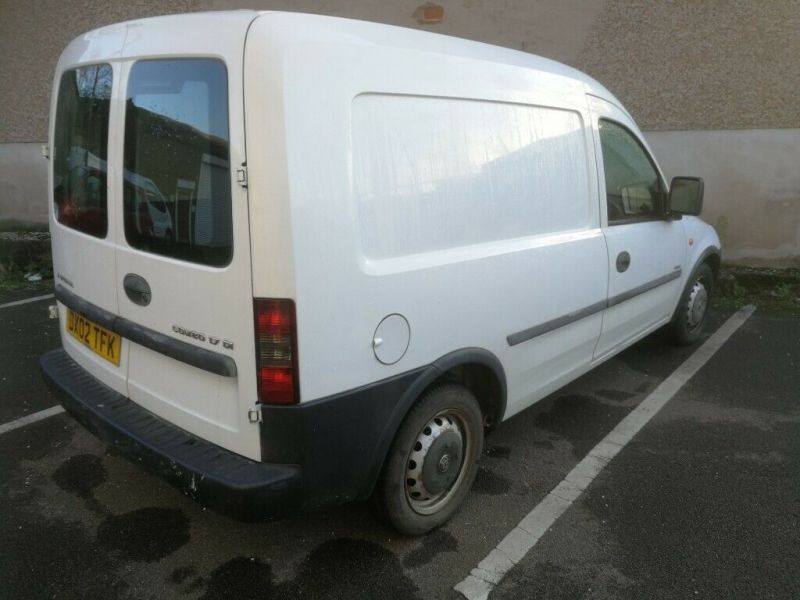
pixel 229 483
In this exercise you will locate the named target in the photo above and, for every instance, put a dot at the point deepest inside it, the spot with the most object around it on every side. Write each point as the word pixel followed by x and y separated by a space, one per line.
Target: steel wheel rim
pixel 452 422
pixel 697 306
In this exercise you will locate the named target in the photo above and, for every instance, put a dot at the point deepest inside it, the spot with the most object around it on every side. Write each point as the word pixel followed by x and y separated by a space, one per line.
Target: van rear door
pixel 84 213
pixel 183 263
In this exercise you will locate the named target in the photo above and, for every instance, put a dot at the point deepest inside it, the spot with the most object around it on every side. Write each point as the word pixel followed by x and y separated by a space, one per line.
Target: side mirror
pixel 685 196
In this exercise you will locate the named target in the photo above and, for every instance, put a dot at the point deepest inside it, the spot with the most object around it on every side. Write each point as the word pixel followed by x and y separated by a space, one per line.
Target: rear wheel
pixel 433 460
pixel 687 325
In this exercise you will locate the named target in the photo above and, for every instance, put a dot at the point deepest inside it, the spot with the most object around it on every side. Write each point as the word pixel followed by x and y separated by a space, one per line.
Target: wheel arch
pixel 477 369
pixel 711 256
pixel 480 372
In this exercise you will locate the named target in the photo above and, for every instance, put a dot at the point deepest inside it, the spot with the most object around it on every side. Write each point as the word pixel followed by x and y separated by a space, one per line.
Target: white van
pixel 384 243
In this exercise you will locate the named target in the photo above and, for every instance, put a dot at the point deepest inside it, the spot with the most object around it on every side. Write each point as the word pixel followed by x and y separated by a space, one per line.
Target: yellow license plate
pixel 98 339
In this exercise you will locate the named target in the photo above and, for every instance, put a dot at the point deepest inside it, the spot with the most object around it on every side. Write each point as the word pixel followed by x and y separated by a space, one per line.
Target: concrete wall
pixel 722 74
pixel 23 183
pixel 752 188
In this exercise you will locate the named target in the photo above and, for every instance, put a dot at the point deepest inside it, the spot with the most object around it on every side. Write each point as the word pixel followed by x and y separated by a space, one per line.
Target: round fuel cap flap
pixel 391 339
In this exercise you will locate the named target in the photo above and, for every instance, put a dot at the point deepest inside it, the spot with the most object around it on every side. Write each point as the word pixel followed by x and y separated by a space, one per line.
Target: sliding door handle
pixel 623 261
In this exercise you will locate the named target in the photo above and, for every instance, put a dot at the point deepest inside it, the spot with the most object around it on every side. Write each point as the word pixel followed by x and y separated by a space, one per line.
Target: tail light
pixel 276 351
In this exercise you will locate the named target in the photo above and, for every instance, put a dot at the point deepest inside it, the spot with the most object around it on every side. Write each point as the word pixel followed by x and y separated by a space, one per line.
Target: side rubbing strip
pixel 201 358
pixel 547 327
pixel 537 330
pixel 646 287
pixel 87 309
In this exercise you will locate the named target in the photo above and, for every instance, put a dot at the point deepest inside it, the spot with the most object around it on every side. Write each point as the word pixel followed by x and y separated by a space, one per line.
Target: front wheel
pixel 433 460
pixel 690 317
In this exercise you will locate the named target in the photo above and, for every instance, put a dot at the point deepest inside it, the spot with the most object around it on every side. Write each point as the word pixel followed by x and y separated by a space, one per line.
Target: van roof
pixel 304 26
pixel 379 34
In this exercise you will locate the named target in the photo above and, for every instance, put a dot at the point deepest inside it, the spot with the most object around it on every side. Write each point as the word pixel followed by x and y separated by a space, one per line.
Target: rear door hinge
pixel 241 175
pixel 254 414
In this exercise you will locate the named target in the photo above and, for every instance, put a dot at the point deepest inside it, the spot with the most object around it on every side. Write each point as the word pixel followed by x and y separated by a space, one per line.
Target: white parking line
pixel 513 548
pixel 27 300
pixel 27 420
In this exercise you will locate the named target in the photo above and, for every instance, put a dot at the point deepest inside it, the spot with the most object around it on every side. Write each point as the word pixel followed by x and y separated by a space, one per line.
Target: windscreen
pixel 176 184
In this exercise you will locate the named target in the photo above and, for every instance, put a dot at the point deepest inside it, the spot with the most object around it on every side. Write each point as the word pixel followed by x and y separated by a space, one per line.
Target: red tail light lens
pixel 276 351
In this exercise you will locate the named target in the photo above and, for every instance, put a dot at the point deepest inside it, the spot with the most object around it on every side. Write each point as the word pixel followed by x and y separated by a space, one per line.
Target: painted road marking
pixel 33 418
pixel 27 300
pixel 513 548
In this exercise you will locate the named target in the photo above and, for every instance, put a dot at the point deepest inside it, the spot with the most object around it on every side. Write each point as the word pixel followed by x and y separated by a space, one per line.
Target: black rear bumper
pixel 224 481
pixel 317 454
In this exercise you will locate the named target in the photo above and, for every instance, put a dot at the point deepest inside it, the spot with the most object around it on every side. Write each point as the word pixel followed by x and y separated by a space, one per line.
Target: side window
pixel 80 149
pixel 177 188
pixel 634 191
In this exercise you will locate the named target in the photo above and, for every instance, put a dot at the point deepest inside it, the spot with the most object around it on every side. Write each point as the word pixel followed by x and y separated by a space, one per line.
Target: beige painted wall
pixel 23 183
pixel 752 188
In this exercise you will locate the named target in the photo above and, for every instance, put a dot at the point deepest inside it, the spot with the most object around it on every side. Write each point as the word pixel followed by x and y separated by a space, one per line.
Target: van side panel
pixel 490 274
pixel 438 174
pixel 499 192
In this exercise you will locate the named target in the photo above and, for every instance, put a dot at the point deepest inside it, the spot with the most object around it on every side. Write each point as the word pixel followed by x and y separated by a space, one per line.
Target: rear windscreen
pixel 176 182
pixel 80 149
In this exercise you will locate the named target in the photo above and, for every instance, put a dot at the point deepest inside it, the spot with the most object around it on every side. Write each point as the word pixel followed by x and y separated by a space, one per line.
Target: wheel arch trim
pixel 427 377
pixel 700 260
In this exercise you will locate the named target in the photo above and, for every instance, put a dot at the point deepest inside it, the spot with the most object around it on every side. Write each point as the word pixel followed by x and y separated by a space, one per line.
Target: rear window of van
pixel 80 149
pixel 176 178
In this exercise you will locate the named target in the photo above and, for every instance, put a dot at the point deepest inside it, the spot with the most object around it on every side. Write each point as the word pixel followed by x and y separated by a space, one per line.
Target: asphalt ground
pixel 703 502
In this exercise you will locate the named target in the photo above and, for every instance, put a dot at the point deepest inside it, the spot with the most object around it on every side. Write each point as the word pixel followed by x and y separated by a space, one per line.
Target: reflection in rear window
pixel 176 180
pixel 80 149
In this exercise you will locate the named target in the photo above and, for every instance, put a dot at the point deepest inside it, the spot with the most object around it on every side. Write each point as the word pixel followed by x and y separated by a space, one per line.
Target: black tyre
pixel 433 460
pixel 690 316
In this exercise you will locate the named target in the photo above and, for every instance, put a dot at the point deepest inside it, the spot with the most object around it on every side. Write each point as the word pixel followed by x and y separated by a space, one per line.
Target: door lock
pixel 137 289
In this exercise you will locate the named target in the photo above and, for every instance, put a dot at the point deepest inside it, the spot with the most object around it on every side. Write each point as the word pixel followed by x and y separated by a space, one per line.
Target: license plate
pixel 98 339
